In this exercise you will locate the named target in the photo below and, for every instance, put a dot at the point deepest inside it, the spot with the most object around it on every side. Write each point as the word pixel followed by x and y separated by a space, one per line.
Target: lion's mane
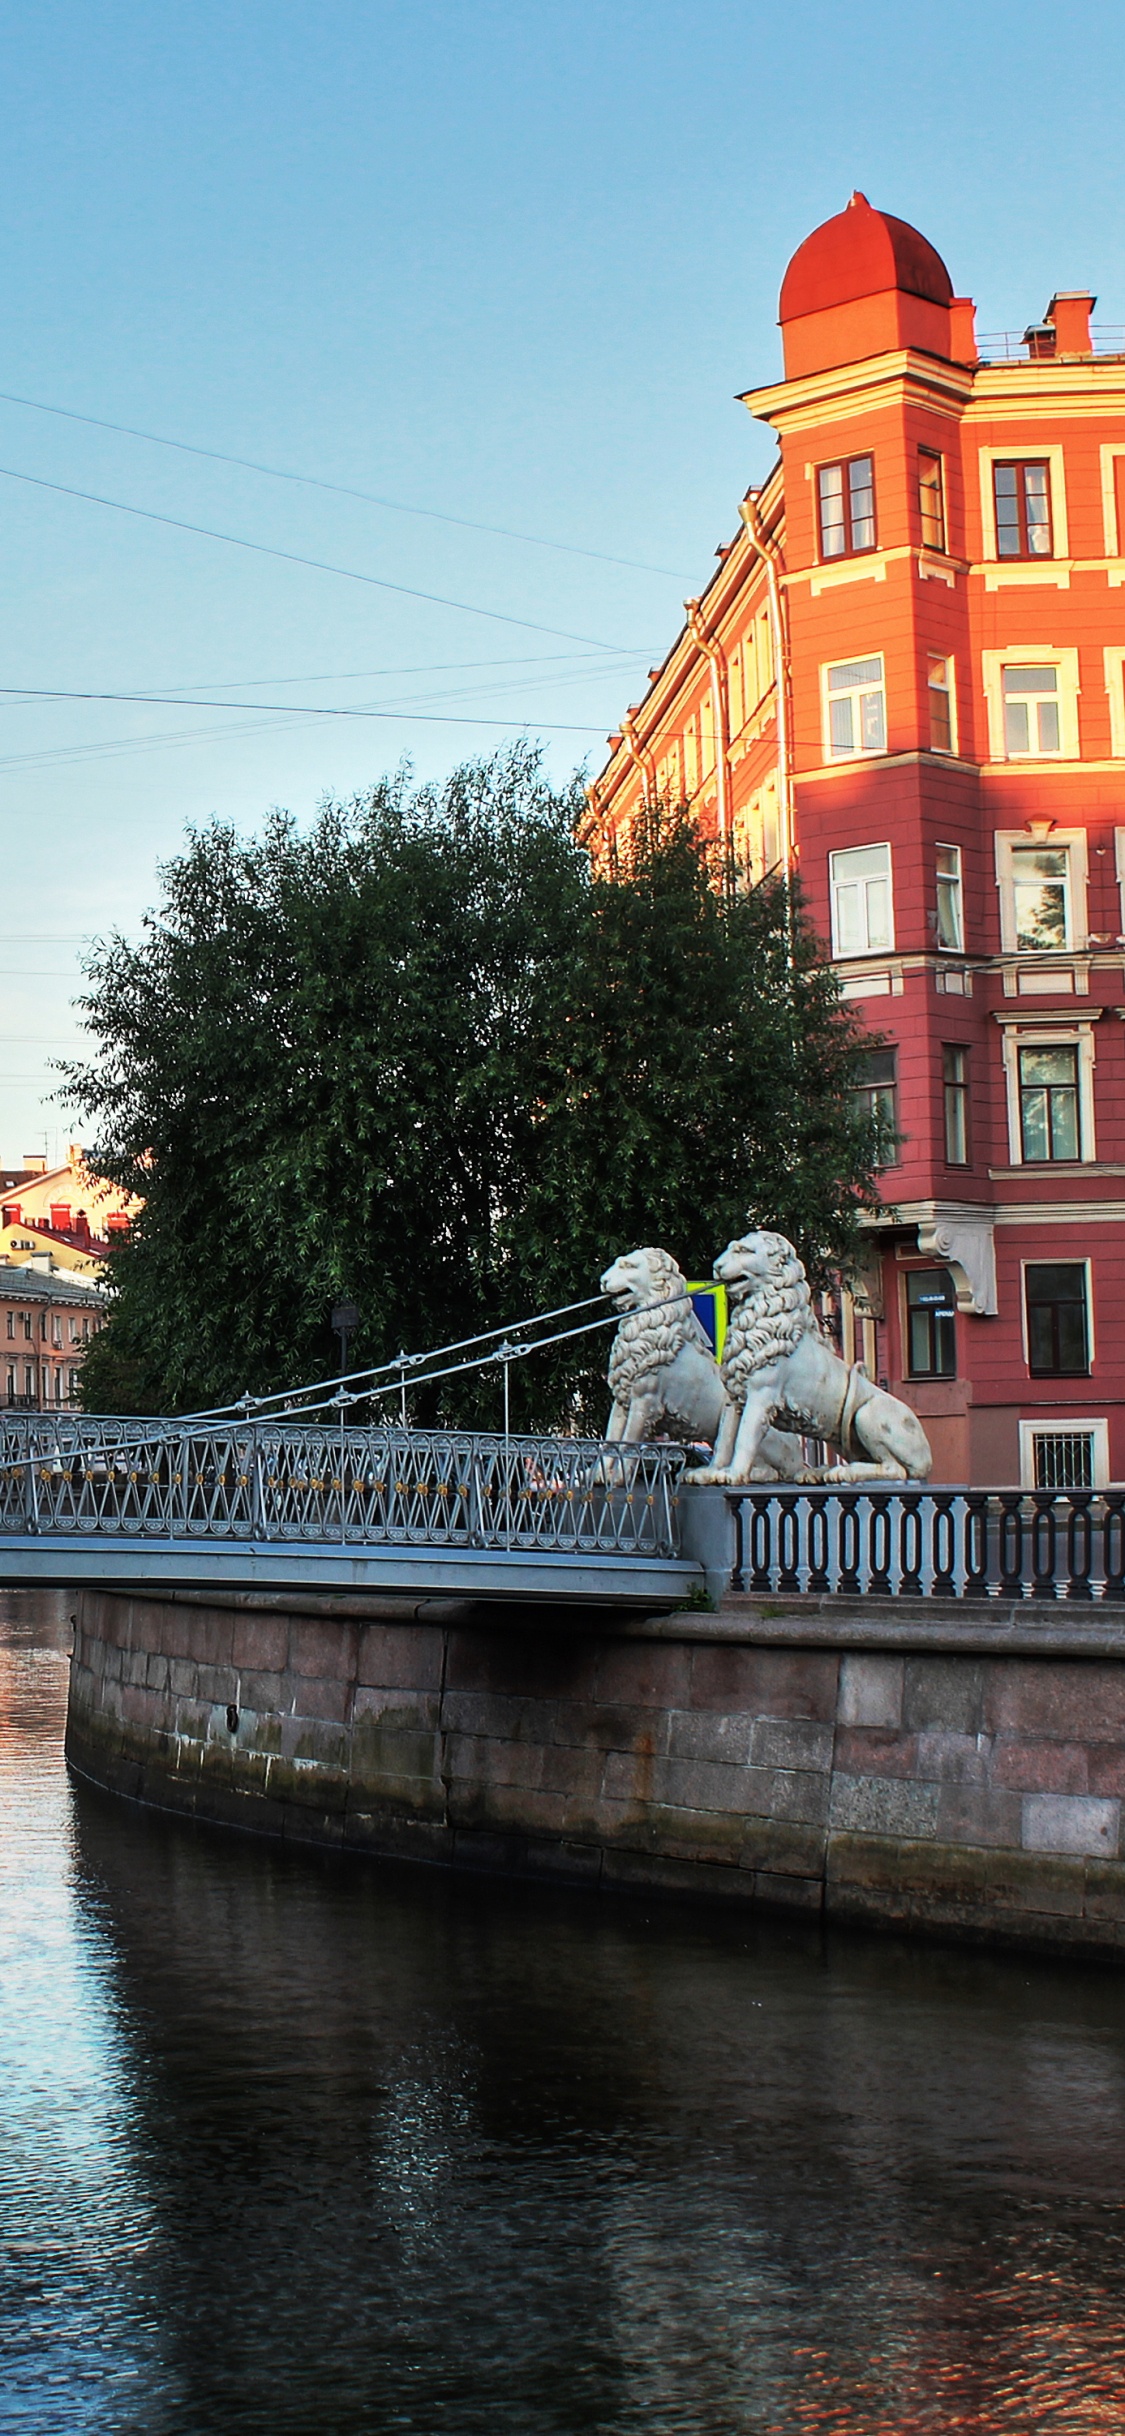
pixel 649 1339
pixel 770 1321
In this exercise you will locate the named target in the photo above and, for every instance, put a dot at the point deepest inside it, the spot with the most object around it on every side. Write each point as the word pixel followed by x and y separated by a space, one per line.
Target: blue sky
pixel 505 264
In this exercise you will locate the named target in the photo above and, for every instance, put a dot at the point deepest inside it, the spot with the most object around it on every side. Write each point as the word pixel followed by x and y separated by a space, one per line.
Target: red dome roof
pixel 861 252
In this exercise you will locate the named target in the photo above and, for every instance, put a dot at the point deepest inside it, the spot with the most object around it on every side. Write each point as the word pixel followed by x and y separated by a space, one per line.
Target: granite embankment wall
pixel 917 1771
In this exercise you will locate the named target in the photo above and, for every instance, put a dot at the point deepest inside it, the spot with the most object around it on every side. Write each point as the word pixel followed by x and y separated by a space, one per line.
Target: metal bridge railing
pixel 890 1542
pixel 300 1482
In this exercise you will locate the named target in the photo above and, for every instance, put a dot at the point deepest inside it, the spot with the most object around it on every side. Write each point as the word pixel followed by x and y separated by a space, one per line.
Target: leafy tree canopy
pixel 418 1059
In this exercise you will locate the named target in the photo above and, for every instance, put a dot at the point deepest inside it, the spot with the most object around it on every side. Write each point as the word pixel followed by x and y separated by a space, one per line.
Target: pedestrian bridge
pixel 286 1504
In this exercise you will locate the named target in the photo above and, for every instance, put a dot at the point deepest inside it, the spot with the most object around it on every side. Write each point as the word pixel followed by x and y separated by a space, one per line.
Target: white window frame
pixel 1074 840
pixel 1098 1430
pixel 1032 655
pixel 1038 453
pixel 1114 540
pixel 858 752
pixel 884 947
pixel 951 750
pixel 1114 659
pixel 1041 1262
pixel 1021 1032
pixel 944 947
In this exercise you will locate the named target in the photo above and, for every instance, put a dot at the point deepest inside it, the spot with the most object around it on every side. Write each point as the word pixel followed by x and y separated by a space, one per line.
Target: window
pixel 931 498
pixel 1049 1124
pixel 955 1098
pixel 1041 897
pixel 1031 712
pixel 27 1323
pixel 846 501
pixel 43 1326
pixel 1022 492
pixel 74 1387
pixel 1113 499
pixel 28 1380
pixel 940 685
pixel 1042 887
pixel 1058 1331
pixel 950 919
pixel 11 1387
pixel 931 1328
pixel 862 918
pixel 856 720
pixel 875 1095
pixel 1062 1459
pixel 11 1323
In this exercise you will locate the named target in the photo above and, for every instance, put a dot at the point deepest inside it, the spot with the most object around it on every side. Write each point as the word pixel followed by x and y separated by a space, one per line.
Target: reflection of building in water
pixel 507 2159
pixel 907 676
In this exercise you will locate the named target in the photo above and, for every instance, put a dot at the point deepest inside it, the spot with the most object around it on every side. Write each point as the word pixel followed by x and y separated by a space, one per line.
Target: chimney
pixel 962 330
pixel 1070 312
pixel 34 1163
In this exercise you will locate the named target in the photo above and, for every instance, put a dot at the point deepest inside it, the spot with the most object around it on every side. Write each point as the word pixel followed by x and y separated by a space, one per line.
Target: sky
pixel 502 269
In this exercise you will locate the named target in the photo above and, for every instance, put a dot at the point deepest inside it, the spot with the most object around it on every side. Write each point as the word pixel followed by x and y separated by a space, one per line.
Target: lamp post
pixel 345 1321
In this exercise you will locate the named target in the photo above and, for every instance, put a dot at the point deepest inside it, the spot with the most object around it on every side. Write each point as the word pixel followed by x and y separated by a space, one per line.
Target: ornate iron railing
pixel 318 1483
pixel 889 1542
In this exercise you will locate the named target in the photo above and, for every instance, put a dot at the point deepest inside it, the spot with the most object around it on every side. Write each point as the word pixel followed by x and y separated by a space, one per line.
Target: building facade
pixel 906 678
pixel 47 1321
pixel 67 1212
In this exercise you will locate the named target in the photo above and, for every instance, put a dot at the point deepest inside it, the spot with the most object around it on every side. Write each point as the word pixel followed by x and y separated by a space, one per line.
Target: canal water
pixel 302 2147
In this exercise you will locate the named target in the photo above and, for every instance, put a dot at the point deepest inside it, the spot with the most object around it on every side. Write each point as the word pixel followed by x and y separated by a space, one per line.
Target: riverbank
pixel 914 1768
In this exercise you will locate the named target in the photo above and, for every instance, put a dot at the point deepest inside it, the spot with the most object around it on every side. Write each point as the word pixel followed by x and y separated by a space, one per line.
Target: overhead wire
pixel 296 558
pixel 340 490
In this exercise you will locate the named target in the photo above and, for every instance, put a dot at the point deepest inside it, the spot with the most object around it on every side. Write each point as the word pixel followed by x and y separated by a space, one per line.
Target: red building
pixel 907 675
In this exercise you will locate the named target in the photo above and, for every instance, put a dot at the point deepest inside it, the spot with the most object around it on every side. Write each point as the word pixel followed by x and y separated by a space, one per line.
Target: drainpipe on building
pixel 713 653
pixel 642 758
pixel 770 555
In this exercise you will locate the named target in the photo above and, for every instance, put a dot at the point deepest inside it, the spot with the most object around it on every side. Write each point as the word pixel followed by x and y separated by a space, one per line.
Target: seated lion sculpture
pixel 663 1376
pixel 781 1374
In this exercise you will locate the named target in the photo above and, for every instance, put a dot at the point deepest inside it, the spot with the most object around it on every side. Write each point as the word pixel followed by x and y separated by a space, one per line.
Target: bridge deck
pixel 287 1505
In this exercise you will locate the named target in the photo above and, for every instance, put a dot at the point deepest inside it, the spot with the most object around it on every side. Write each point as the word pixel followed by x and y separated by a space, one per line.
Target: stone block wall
pixel 976 1794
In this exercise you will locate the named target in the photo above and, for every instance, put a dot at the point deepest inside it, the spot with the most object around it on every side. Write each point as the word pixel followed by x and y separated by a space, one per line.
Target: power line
pixel 418 668
pixel 169 738
pixel 294 558
pixel 341 490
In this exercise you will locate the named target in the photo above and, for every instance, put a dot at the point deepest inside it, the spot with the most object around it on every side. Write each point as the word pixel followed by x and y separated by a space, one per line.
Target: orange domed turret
pixel 863 283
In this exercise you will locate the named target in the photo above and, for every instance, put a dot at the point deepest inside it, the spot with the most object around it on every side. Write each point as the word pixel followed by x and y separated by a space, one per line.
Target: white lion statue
pixel 781 1374
pixel 663 1376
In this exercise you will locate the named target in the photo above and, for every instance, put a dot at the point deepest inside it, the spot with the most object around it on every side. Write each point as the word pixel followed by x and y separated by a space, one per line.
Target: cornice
pixel 784 401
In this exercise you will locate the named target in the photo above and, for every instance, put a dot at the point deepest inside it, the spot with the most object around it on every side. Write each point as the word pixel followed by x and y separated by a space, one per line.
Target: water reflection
pixel 306 2146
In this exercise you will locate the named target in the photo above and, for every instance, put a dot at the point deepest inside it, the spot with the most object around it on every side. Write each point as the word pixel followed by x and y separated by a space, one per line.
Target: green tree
pixel 418 1059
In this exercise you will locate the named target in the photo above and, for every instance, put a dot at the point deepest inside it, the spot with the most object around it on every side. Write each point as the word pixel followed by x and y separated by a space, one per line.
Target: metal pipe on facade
pixel 713 652
pixel 770 555
pixel 642 758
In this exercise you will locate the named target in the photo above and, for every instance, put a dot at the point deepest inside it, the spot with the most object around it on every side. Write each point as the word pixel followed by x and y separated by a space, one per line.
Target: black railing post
pixel 738 1576
pixel 978 1521
pixel 850 1546
pixel 910 1545
pixel 1043 1546
pixel 789 1542
pixel 819 1544
pixel 943 1547
pixel 761 1544
pixel 1011 1546
pixel 879 1542
pixel 1113 1547
pixel 1080 1544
